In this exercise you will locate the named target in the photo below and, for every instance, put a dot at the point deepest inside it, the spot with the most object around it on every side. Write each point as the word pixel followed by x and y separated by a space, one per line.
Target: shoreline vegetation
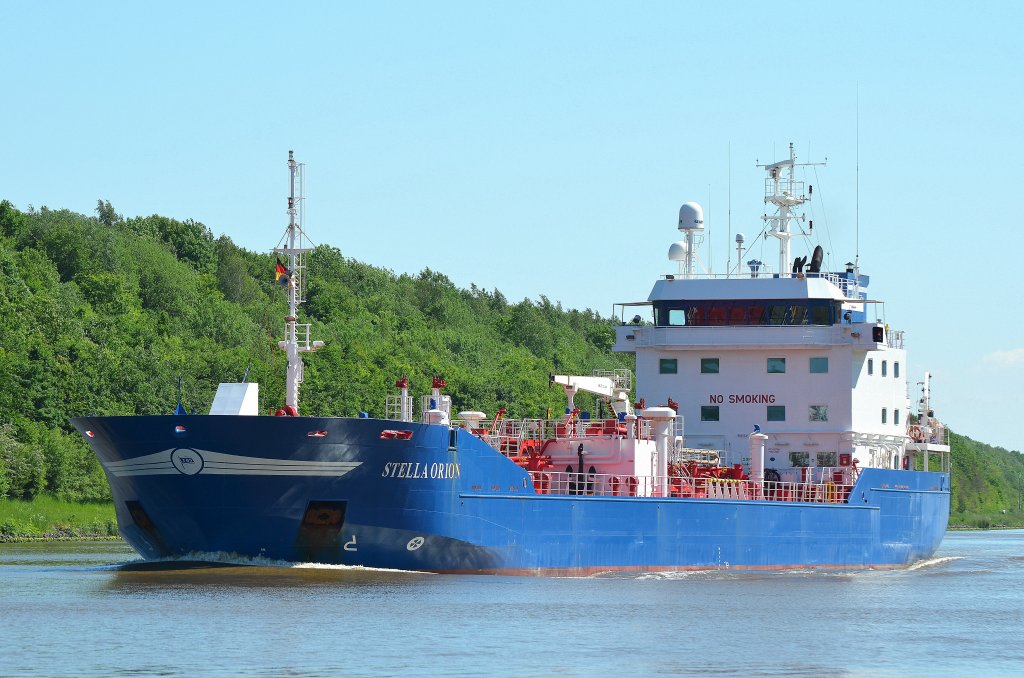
pixel 49 518
pixel 108 315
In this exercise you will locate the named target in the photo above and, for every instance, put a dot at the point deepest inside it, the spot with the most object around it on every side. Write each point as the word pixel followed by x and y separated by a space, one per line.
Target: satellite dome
pixel 691 217
pixel 739 237
pixel 677 251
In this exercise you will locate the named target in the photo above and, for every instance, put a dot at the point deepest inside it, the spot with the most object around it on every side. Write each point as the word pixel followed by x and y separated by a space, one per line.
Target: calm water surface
pixel 93 609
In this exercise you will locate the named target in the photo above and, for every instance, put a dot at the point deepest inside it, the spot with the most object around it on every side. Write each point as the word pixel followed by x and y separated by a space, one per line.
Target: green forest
pixel 103 314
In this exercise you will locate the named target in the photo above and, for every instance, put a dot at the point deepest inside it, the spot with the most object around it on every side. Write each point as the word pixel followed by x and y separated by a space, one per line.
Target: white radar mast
pixel 783 190
pixel 294 245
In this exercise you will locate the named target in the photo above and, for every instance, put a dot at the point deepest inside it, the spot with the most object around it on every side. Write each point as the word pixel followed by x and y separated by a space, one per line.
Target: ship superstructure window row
pixel 709 412
pixel 819 365
pixel 776 413
pixel 747 312
pixel 776 365
pixel 822 459
pixel 709 365
pixel 668 366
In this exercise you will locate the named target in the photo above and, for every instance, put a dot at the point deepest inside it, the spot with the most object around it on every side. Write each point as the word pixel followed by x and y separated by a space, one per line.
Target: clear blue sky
pixel 544 148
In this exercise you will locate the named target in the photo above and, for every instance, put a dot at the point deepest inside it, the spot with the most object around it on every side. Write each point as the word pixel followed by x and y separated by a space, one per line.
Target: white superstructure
pixel 799 352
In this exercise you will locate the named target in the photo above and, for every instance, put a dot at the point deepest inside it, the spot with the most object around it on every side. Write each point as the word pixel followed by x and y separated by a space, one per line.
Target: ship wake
pixel 219 559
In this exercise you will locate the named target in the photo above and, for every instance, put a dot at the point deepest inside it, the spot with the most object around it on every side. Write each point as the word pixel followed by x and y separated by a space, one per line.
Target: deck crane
pixel 606 387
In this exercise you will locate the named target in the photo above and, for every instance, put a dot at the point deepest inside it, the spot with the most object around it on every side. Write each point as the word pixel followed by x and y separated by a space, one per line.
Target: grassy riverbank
pixel 50 518
pixel 986 521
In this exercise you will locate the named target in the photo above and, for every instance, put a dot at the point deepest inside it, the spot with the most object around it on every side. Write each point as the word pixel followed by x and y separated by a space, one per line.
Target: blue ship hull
pixel 333 490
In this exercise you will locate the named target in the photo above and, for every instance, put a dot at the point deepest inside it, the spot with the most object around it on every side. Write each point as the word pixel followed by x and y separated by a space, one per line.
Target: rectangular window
pixel 884 365
pixel 896 371
pixel 668 366
pixel 799 458
pixel 776 365
pixel 776 413
pixel 896 417
pixel 820 314
pixel 709 412
pixel 819 413
pixel 777 314
pixel 885 415
pixel 819 365
pixel 825 459
pixel 676 317
pixel 871 367
pixel 709 365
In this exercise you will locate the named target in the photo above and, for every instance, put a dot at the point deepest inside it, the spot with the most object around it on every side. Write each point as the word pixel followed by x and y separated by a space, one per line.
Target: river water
pixel 93 609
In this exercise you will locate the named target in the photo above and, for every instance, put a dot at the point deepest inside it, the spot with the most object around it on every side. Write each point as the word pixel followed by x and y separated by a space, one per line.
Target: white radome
pixel 678 251
pixel 691 217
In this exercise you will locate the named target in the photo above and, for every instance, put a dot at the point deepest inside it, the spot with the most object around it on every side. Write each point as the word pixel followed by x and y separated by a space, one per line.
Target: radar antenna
pixel 783 190
pixel 294 245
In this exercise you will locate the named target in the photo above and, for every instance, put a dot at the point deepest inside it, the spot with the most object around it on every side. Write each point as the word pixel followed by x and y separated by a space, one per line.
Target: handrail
pixel 609 485
pixel 559 429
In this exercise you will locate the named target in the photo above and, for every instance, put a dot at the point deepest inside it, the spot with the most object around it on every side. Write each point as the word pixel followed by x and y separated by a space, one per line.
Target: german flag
pixel 281 274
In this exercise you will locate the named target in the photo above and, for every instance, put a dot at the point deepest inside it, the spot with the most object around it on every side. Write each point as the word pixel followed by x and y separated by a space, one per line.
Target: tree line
pixel 103 314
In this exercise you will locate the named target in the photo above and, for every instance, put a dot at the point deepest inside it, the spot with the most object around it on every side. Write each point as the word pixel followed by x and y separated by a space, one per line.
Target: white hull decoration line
pixel 190 462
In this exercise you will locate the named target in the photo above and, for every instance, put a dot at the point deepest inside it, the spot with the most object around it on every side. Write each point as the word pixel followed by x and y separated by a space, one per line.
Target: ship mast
pixel 782 190
pixel 293 245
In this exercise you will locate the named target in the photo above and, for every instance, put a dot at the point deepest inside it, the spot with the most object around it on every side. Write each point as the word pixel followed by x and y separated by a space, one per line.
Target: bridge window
pixel 777 314
pixel 819 365
pixel 668 366
pixel 776 413
pixel 709 412
pixel 818 413
pixel 825 459
pixel 821 314
pixel 709 365
pixel 681 313
pixel 776 365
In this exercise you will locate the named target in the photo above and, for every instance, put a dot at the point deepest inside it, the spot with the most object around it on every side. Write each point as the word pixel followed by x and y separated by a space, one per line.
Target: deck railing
pixel 557 429
pixel 607 485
